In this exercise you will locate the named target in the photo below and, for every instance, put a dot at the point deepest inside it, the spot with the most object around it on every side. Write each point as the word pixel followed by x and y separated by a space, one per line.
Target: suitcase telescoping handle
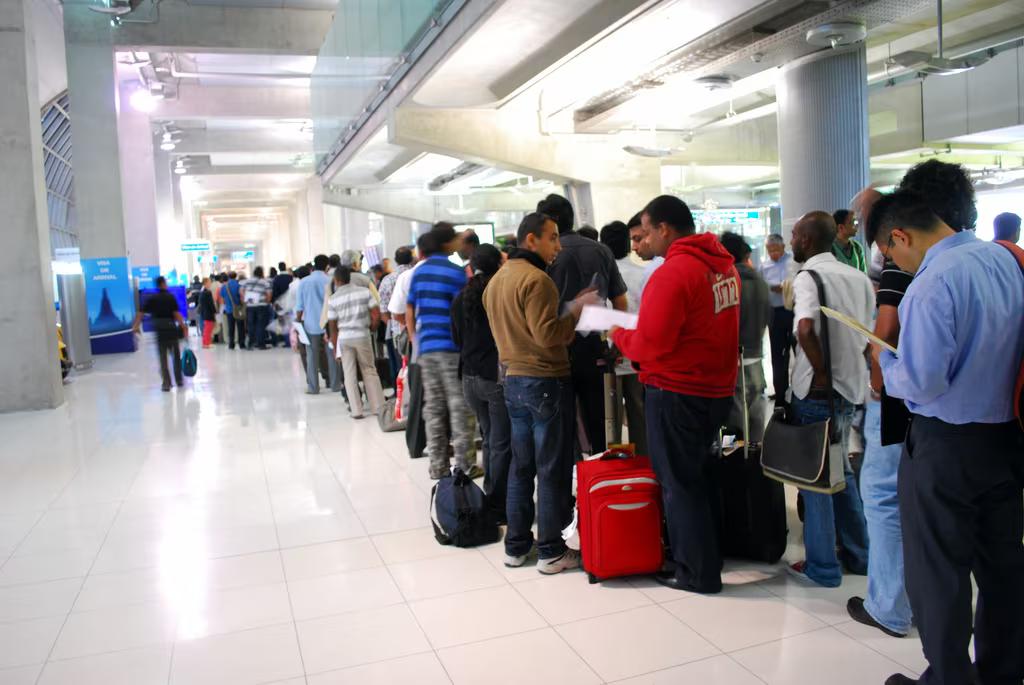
pixel 619 452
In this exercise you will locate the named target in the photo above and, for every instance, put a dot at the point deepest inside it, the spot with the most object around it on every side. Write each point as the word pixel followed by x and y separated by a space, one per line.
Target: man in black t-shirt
pixel 170 327
pixel 583 264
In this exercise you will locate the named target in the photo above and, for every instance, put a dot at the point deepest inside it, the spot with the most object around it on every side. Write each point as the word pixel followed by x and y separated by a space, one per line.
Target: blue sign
pixel 146 275
pixel 110 302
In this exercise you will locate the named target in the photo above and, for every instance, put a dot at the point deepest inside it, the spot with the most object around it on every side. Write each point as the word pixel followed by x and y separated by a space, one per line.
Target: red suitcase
pixel 619 504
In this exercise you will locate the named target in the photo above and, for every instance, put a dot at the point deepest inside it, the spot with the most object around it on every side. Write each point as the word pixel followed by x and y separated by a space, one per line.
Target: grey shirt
pixel 755 311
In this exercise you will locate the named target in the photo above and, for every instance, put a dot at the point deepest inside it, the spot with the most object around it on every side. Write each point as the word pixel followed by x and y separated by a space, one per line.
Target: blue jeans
pixel 542 411
pixel 487 401
pixel 887 594
pixel 825 516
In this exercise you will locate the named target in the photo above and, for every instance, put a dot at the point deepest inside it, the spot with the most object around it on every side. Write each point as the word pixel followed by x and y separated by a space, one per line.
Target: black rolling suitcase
pixel 753 520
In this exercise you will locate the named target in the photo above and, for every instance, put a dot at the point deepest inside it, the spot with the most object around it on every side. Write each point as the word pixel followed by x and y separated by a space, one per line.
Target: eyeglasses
pixel 888 248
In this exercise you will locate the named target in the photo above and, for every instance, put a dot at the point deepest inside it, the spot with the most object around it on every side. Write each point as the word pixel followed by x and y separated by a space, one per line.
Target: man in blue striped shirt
pixel 961 474
pixel 434 285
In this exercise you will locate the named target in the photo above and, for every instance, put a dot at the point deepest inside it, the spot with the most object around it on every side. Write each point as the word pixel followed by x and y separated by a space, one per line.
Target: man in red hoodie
pixel 687 346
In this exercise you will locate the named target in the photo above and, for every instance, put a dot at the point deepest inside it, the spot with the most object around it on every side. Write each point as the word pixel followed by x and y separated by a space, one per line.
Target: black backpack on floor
pixel 459 513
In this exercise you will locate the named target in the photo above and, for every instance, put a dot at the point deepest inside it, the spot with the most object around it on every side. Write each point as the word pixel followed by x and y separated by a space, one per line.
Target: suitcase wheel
pixel 593 579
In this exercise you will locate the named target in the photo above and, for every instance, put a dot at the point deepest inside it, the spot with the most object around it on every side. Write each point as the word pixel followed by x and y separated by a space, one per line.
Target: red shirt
pixel 687 338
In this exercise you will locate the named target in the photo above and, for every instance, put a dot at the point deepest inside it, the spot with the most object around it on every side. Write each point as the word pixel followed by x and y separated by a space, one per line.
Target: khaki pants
pixel 356 357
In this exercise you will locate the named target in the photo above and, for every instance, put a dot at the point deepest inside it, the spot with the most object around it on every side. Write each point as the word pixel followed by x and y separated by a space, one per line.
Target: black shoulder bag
pixel 807 456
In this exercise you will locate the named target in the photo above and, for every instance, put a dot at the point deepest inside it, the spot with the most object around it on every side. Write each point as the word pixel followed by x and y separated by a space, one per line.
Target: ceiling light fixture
pixel 837 34
pixel 142 101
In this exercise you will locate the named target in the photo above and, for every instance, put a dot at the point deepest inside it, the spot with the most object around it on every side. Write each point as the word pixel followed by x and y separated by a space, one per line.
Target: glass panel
pixel 361 51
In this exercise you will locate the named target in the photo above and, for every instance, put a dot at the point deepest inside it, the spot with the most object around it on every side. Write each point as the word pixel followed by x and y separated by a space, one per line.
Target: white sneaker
pixel 515 562
pixel 570 559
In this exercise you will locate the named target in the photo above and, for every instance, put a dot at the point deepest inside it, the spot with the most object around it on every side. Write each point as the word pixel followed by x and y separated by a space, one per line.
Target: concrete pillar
pixel 138 185
pixel 823 132
pixel 92 89
pixel 30 369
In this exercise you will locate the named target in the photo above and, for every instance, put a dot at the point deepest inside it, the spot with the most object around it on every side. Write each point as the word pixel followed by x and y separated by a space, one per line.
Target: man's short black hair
pixel 1007 226
pixel 669 209
pixel 301 272
pixel 334 260
pixel 840 216
pixel 426 244
pixel 442 233
pixel 232 275
pixel 160 282
pixel 588 232
pixel 736 246
pixel 257 272
pixel 471 238
pixel 905 210
pixel 403 255
pixel 948 190
pixel 635 221
pixel 616 236
pixel 531 224
pixel 281 267
pixel 320 262
pixel 342 274
pixel 559 210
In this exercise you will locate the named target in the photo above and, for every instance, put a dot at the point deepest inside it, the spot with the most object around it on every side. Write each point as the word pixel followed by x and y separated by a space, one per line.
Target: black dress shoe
pixel 900 679
pixel 855 608
pixel 671 580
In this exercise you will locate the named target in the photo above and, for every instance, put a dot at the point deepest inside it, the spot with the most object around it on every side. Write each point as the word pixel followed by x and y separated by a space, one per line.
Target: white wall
pixel 48 27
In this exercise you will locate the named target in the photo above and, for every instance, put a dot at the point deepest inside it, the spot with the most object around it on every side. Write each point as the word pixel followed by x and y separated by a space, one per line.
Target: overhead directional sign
pixel 196 246
pixel 243 256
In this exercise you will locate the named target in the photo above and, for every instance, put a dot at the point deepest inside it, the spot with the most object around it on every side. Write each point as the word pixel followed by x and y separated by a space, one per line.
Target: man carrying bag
pixel 829 377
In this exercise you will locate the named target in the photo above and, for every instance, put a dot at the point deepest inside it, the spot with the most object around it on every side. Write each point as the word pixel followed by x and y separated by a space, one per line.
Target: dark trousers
pixel 960 490
pixel 486 399
pixel 257 319
pixel 542 427
pixel 169 349
pixel 633 396
pixel 588 385
pixel 394 360
pixel 233 324
pixel 779 334
pixel 680 431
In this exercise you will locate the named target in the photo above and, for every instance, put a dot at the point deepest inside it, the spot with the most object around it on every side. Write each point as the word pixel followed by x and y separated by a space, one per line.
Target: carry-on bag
pixel 619 503
pixel 189 363
pixel 390 419
pixel 753 521
pixel 807 456
pixel 460 514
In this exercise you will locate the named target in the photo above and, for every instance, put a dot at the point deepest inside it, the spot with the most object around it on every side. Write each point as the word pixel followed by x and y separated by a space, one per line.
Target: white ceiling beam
pixel 207 142
pixel 200 102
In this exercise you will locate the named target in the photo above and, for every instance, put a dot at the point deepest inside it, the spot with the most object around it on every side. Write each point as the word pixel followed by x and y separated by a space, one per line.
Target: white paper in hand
pixel 595 318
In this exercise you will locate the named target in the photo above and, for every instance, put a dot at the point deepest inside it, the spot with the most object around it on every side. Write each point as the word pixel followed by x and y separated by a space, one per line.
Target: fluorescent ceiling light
pixel 142 101
pixel 423 169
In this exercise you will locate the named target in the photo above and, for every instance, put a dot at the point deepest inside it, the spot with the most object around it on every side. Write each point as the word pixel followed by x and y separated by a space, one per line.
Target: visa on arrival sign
pixel 196 246
pixel 110 303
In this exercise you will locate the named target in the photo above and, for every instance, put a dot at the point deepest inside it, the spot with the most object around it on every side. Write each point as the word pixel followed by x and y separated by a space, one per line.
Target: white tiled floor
pixel 241 532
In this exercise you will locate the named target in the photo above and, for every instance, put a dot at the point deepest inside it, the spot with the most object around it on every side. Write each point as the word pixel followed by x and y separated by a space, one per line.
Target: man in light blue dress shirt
pixel 961 477
pixel 778 268
pixel 309 301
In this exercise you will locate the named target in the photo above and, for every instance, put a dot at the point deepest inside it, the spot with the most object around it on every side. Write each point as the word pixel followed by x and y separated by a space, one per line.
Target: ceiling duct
pixel 462 171
pixel 752 43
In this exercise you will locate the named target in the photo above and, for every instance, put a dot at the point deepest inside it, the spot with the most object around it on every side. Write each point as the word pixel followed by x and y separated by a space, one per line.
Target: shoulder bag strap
pixel 826 347
pixel 230 296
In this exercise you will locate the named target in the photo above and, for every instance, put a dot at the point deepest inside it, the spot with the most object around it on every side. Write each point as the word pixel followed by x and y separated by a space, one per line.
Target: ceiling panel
pixel 279 4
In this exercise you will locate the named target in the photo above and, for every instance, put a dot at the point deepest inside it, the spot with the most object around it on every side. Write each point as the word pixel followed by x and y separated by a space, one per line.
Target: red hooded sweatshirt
pixel 687 338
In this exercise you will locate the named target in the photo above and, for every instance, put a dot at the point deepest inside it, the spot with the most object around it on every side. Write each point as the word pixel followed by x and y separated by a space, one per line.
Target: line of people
pixel 500 346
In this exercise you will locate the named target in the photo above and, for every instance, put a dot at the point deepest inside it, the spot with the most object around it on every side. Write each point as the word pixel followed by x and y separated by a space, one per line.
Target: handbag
pixel 237 308
pixel 808 456
pixel 189 363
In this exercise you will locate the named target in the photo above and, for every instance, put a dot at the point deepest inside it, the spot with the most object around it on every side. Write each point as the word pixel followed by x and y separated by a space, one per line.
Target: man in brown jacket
pixel 532 338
